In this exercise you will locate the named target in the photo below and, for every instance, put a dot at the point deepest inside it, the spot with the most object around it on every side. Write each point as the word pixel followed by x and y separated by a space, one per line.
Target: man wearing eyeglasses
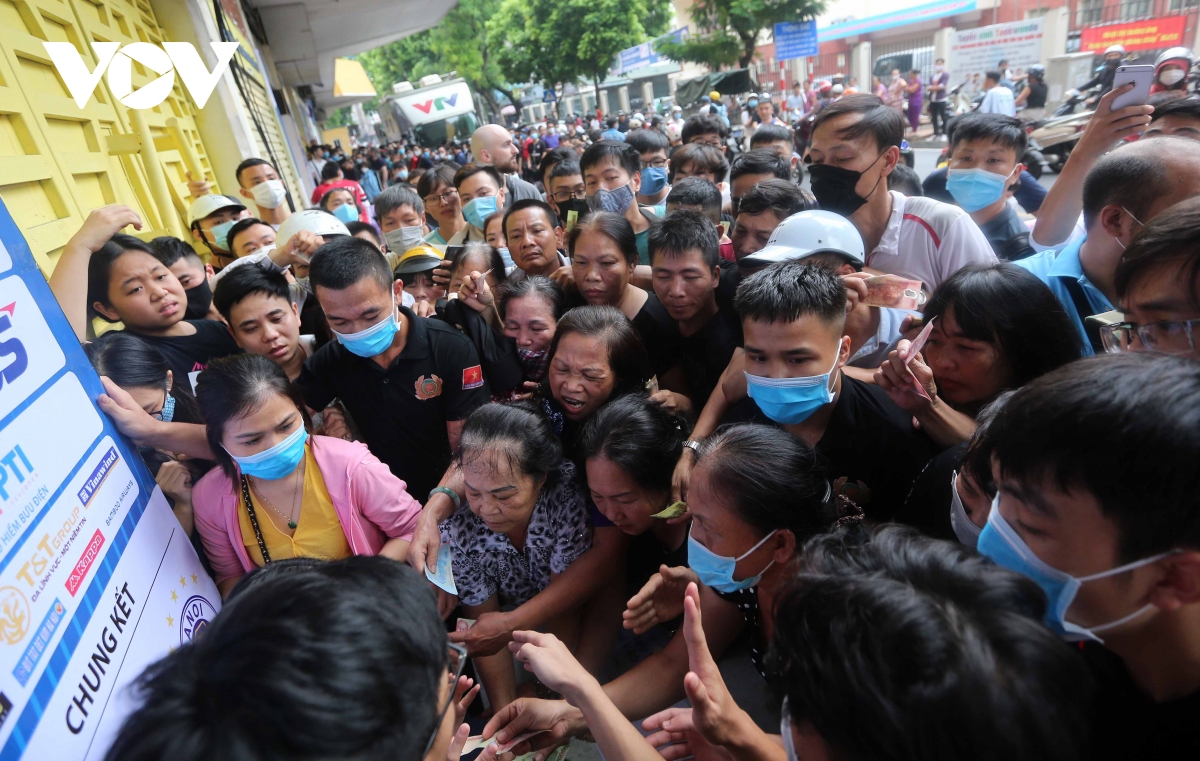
pixel 707 129
pixel 652 147
pixel 1122 193
pixel 1158 287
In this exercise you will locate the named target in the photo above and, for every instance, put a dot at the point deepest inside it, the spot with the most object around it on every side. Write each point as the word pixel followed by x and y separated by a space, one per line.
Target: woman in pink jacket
pixel 280 492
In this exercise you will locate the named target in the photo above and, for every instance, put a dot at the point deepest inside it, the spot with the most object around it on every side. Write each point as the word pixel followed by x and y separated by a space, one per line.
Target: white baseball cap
pixel 210 204
pixel 316 221
pixel 808 233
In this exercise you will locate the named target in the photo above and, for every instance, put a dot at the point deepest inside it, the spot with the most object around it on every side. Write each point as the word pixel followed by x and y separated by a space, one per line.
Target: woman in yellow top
pixel 280 492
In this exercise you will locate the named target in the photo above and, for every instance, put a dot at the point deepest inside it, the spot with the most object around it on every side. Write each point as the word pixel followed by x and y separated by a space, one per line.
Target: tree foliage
pixel 458 43
pixel 564 41
pixel 728 29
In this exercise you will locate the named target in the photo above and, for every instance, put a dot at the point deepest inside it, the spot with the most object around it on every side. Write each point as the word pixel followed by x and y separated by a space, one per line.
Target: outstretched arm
pixel 69 281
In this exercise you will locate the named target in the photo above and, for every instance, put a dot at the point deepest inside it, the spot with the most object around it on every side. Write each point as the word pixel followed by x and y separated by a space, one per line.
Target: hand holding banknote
pixel 905 376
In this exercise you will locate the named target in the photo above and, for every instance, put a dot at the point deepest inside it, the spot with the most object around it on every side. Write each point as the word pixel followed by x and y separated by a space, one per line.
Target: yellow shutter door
pixel 57 161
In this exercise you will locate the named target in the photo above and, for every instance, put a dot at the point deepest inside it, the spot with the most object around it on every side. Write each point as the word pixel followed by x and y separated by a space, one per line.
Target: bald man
pixel 493 145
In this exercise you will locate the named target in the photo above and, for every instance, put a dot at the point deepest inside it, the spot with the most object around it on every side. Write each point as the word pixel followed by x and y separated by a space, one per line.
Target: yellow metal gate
pixel 57 161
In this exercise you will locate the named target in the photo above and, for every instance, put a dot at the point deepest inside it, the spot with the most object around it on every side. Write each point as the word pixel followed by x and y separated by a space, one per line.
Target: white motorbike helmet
pixel 809 233
pixel 316 221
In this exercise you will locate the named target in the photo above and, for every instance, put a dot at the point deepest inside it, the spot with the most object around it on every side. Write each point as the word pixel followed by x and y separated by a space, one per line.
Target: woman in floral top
pixel 525 520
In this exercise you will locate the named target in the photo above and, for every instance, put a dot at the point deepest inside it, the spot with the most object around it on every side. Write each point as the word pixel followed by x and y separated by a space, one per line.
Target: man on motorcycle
pixel 1171 72
pixel 1033 96
pixel 1112 59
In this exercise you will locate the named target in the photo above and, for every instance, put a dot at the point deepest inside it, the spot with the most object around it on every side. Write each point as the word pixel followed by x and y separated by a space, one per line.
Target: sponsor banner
pixel 97 578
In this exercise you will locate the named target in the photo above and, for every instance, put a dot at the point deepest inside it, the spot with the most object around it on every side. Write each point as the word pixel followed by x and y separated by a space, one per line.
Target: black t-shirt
pixel 660 335
pixel 870 450
pixel 1128 724
pixel 403 410
pixel 1037 94
pixel 927 506
pixel 191 354
pixel 706 353
pixel 731 278
pixel 1008 235
pixel 644 557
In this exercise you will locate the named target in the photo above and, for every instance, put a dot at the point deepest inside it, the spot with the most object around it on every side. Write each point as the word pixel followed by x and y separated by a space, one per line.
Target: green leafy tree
pixel 458 43
pixel 558 42
pixel 728 29
pixel 461 44
pixel 340 117
pixel 409 58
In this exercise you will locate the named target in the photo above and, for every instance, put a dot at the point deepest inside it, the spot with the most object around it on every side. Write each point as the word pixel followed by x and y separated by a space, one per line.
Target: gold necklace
pixel 291 521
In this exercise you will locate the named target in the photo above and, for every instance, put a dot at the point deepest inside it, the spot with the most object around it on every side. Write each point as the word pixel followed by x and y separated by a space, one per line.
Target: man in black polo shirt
pixel 685 261
pixel 407 381
pixel 793 316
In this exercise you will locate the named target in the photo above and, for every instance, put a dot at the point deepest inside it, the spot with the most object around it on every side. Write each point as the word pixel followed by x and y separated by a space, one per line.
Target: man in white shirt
pixel 855 146
pixel 997 100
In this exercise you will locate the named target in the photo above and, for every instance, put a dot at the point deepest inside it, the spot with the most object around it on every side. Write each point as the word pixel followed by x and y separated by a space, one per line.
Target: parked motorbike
pixel 1057 135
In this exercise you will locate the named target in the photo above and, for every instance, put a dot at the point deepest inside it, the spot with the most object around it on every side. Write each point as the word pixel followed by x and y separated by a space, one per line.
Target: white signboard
pixel 977 51
pixel 433 104
pixel 97 578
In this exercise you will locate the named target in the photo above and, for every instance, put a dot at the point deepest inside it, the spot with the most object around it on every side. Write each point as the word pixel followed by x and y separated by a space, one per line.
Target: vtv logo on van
pixel 438 103
pixel 172 57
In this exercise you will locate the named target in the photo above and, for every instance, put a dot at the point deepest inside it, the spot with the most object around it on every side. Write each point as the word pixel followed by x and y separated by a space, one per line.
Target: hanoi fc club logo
pixel 14 615
pixel 172 57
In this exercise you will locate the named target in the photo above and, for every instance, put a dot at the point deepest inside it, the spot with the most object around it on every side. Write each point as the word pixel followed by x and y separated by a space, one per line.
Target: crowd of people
pixel 582 434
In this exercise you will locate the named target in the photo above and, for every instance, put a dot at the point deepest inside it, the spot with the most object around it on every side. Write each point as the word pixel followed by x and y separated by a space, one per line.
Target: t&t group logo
pixel 165 61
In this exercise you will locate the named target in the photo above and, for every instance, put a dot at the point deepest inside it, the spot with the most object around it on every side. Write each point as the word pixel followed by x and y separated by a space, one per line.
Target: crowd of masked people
pixel 537 461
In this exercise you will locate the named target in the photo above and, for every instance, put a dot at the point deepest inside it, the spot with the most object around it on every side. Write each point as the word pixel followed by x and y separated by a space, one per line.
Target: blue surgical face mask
pixel 347 212
pixel 220 234
pixel 752 103
pixel 278 461
pixel 478 209
pixel 374 340
pixel 506 255
pixel 1000 542
pixel 791 400
pixel 654 179
pixel 167 414
pixel 616 201
pixel 717 570
pixel 975 189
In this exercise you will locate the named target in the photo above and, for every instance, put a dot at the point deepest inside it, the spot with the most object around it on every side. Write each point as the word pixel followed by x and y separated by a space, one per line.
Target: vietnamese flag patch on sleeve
pixel 472 377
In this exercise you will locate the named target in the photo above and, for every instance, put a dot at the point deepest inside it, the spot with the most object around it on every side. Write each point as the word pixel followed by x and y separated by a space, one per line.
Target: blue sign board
pixel 88 544
pixel 913 15
pixel 643 55
pixel 795 39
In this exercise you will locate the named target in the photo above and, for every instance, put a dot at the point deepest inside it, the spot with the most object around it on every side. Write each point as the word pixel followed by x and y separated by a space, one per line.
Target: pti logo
pixel 172 57
pixel 438 103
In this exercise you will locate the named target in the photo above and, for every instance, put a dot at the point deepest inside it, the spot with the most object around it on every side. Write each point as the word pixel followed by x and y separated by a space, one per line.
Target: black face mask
pixel 199 299
pixel 577 205
pixel 1112 64
pixel 834 187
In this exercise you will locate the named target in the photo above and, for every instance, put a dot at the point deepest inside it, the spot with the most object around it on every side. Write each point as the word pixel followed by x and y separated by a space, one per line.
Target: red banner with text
pixel 1138 35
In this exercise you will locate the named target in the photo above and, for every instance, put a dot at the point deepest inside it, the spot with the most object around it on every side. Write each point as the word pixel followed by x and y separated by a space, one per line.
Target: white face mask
pixel 404 238
pixel 269 194
pixel 1171 76
pixel 964 528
